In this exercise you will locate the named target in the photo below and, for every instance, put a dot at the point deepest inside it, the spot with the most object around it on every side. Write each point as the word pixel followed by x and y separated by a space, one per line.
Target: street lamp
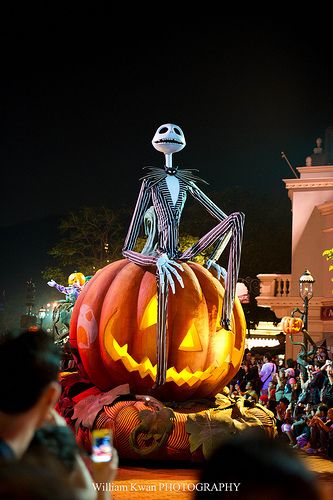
pixel 306 282
pixel 41 315
pixel 306 292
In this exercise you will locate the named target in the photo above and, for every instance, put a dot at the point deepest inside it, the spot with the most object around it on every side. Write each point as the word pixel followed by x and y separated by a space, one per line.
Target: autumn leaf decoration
pixel 211 428
pixel 86 410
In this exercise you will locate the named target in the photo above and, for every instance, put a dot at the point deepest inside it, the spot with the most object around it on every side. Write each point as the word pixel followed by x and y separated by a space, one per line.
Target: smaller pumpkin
pixel 76 278
pixel 291 325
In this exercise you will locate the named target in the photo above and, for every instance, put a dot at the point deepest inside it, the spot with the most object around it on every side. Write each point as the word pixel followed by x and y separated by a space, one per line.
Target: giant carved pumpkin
pixel 114 327
pixel 291 325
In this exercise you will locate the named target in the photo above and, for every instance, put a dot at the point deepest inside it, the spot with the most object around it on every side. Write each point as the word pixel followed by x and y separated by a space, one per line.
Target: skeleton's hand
pixel 166 268
pixel 51 283
pixel 220 270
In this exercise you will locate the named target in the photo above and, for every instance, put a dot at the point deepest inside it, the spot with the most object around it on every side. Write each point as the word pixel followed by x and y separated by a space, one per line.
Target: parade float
pixel 157 337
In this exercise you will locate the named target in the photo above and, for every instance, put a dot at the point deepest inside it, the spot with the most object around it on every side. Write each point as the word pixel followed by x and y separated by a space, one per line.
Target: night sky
pixel 80 105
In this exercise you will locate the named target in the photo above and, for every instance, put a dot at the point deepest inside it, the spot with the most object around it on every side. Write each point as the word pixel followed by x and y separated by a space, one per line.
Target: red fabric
pixel 88 392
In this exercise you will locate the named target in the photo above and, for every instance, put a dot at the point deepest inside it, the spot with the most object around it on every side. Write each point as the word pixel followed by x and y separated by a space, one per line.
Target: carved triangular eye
pixel 149 317
pixel 191 341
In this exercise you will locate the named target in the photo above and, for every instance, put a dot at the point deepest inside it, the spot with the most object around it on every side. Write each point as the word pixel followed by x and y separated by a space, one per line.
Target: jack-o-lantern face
pixel 291 325
pixel 202 357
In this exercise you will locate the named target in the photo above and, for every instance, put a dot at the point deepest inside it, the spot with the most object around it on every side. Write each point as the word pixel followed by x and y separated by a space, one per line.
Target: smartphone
pixel 101 445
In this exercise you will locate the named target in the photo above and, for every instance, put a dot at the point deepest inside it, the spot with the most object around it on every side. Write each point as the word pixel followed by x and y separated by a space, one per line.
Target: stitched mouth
pixel 168 141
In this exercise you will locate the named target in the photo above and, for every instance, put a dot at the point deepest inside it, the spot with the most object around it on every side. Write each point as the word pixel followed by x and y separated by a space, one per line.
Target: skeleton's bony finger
pixel 178 265
pixel 209 263
pixel 224 272
pixel 179 278
pixel 161 280
pixel 170 280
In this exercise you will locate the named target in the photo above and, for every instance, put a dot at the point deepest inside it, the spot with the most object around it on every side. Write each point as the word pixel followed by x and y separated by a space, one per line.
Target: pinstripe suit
pixel 154 187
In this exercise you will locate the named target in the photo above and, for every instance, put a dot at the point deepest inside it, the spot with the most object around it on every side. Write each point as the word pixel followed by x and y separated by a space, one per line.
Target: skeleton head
pixel 169 138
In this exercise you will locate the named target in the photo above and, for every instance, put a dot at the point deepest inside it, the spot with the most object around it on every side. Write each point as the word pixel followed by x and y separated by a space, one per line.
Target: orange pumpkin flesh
pixel 291 325
pixel 122 303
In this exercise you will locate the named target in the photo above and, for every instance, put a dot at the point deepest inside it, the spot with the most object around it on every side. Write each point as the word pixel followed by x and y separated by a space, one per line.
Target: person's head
pixel 317 364
pixel 29 365
pixel 322 410
pixel 289 372
pixel 308 408
pixel 284 402
pixel 330 413
pixel 322 352
pixel 249 385
pixel 267 357
pixel 263 399
pixel 290 363
pixel 261 468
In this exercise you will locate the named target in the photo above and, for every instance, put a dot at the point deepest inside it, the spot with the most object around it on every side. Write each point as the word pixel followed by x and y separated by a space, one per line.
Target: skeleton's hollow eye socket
pixel 177 131
pixel 163 130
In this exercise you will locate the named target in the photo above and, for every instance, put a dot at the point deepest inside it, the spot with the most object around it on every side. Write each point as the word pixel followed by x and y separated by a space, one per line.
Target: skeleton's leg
pixel 162 301
pixel 235 223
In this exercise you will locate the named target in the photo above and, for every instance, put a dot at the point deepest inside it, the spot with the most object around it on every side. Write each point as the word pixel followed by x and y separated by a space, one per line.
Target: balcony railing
pixel 275 285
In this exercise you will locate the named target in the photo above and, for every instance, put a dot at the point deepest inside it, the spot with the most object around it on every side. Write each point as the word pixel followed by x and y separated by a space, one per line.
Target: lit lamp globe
pixel 306 285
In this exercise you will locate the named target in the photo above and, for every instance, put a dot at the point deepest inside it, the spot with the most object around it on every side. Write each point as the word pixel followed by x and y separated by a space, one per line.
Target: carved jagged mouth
pixel 168 141
pixel 146 368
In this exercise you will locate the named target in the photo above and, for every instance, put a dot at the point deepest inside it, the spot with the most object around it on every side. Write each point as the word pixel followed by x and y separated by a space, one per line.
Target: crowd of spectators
pixel 40 459
pixel 301 399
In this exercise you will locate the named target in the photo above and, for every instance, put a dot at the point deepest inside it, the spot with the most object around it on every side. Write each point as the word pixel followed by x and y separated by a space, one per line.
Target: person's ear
pixel 48 400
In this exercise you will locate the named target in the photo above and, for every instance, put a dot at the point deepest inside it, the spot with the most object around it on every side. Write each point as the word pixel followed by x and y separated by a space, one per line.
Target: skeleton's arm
pixel 134 230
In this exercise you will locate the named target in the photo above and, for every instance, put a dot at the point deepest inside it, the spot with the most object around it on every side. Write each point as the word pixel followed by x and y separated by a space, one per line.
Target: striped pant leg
pixel 162 347
pixel 235 223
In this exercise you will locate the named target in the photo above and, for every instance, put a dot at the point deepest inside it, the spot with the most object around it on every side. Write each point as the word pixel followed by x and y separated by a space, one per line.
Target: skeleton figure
pixel 168 190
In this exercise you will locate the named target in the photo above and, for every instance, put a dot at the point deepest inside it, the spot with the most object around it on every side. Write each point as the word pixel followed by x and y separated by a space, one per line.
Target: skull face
pixel 169 138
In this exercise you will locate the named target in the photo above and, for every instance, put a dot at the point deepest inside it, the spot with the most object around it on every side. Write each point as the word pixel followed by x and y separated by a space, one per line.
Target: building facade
pixel 311 197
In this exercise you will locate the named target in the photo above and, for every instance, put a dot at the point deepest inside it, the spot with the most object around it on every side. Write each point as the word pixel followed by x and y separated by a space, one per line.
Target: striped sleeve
pixel 213 209
pixel 134 229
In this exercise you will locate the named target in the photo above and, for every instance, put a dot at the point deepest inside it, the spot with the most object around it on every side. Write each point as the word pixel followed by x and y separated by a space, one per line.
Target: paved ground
pixel 323 468
pixel 152 483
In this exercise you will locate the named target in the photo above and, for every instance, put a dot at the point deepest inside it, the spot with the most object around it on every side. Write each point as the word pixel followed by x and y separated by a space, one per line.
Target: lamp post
pixel 306 282
pixel 306 292
pixel 41 315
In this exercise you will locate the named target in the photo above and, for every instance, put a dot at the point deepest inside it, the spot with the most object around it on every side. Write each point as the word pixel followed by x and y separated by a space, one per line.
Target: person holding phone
pixel 54 445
